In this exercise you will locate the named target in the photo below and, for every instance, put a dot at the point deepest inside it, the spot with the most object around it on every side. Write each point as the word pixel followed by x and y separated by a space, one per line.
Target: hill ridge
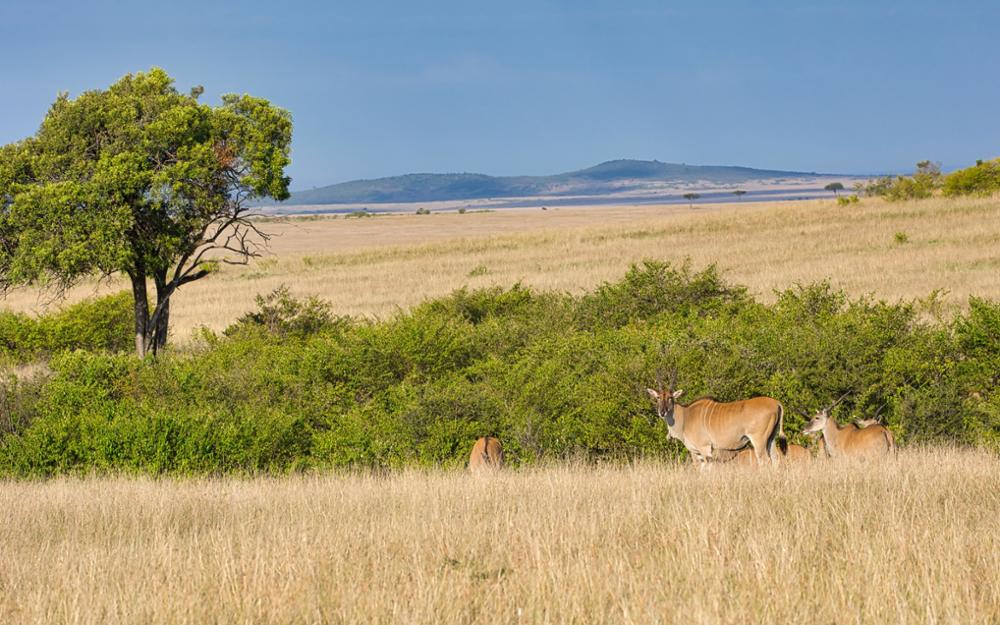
pixel 613 176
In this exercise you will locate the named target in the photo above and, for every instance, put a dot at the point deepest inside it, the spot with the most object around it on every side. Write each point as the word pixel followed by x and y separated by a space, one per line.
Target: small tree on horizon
pixel 739 193
pixel 691 197
pixel 930 168
pixel 139 180
pixel 836 187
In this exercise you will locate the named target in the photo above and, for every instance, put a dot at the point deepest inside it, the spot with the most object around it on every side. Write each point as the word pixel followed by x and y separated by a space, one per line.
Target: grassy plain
pixel 374 266
pixel 916 540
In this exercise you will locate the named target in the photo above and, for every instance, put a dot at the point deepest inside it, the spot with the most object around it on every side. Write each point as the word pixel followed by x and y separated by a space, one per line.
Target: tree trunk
pixel 141 302
pixel 163 318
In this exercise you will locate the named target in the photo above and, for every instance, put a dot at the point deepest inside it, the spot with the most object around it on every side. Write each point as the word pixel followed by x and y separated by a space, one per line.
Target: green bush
pixel 19 400
pixel 921 185
pixel 983 179
pixel 280 313
pixel 131 437
pixel 904 188
pixel 19 336
pixel 551 374
pixel 657 288
pixel 97 324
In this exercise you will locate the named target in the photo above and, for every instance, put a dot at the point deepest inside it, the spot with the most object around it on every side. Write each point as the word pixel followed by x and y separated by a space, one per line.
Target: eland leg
pixel 698 457
pixel 759 450
pixel 707 454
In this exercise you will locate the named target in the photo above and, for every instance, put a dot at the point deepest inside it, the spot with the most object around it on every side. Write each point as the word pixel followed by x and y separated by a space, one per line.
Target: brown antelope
pixel 796 453
pixel 793 453
pixel 863 423
pixel 710 428
pixel 850 440
pixel 487 454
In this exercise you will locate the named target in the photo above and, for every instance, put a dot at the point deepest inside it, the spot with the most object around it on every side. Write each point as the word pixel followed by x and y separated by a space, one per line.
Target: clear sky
pixel 380 88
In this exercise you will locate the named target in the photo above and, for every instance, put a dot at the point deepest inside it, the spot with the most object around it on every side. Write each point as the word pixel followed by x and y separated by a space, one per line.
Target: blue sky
pixel 379 88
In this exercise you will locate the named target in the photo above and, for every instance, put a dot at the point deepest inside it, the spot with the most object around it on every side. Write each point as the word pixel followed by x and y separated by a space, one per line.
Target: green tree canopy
pixel 141 180
pixel 836 187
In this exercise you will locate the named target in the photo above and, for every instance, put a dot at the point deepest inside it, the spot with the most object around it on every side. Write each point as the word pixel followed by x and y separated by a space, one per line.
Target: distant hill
pixel 609 177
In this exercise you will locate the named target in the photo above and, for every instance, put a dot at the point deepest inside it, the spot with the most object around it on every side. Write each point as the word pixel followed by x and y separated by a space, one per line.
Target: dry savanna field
pixel 911 540
pixel 378 265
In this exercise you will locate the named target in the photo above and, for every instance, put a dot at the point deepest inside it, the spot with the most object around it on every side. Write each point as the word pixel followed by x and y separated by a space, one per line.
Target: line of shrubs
pixel 293 387
pixel 982 179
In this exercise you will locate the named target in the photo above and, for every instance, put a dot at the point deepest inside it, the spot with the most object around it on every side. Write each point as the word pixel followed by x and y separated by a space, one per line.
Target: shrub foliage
pixel 94 324
pixel 982 179
pixel 921 185
pixel 292 387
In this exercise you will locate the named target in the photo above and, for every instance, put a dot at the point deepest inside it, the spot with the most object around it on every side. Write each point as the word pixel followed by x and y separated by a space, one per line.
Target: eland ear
pixel 653 393
pixel 678 393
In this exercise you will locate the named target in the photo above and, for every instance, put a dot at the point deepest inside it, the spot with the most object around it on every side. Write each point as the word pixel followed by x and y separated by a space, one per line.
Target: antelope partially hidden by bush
pixel 487 455
pixel 862 438
pixel 714 430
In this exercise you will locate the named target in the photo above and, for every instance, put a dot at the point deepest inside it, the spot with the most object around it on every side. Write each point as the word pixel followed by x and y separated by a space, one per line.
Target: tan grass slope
pixel 374 266
pixel 910 542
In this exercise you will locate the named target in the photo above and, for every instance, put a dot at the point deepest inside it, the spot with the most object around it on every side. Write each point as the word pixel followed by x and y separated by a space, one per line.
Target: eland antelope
pixel 796 452
pixel 714 430
pixel 850 440
pixel 792 453
pixel 487 454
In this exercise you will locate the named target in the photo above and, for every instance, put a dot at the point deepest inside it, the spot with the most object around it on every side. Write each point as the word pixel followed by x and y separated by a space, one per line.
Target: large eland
pixel 487 454
pixel 714 430
pixel 850 440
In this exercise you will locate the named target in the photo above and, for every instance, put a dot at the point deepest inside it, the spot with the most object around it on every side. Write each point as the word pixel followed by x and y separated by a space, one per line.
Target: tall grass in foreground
pixel 916 540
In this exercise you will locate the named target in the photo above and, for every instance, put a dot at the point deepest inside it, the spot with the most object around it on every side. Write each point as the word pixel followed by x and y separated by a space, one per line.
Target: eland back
pixel 487 454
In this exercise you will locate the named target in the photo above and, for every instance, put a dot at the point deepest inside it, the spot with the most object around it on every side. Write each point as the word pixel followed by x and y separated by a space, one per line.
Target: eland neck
pixel 676 429
pixel 831 436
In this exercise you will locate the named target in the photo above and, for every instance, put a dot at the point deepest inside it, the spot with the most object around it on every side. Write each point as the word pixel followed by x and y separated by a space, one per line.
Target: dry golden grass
pixel 375 266
pixel 916 540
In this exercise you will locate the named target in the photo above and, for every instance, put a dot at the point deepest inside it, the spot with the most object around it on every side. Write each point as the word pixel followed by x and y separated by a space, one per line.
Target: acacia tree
pixel 835 187
pixel 691 197
pixel 140 180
